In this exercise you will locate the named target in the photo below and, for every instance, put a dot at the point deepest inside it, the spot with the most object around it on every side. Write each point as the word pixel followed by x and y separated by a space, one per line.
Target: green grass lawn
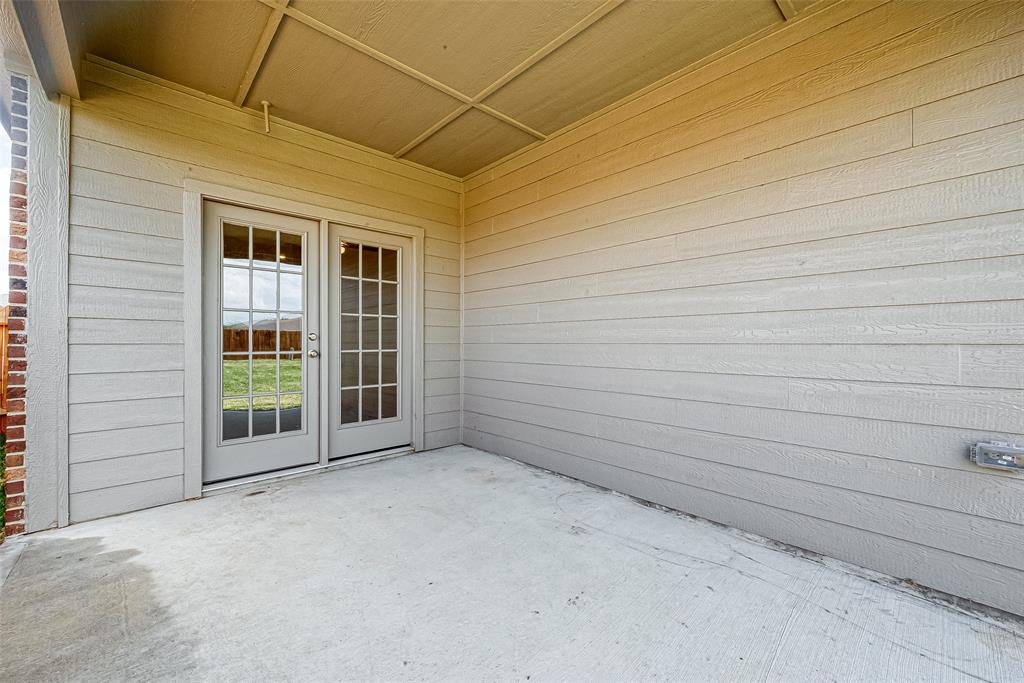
pixel 264 376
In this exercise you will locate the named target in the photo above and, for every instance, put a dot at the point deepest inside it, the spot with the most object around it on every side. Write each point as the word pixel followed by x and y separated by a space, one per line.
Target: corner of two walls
pixel 783 292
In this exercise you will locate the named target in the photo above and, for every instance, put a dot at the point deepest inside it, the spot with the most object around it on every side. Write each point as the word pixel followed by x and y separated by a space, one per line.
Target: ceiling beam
pixel 260 53
pixel 55 53
pixel 415 142
pixel 788 8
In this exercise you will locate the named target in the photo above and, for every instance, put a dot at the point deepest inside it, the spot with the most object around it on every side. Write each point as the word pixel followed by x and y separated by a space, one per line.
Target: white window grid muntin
pixel 358 352
pixel 250 396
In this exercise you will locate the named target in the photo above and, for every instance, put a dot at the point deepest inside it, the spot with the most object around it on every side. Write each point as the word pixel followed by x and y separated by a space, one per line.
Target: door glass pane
pixel 389 368
pixel 262 336
pixel 370 336
pixel 350 260
pixel 291 292
pixel 388 402
pixel 389 333
pixel 290 367
pixel 349 406
pixel 349 333
pixel 264 373
pixel 291 252
pixel 349 296
pixel 235 375
pixel 264 248
pixel 264 415
pixel 370 398
pixel 371 368
pixel 236 245
pixel 291 332
pixel 371 298
pixel 350 369
pixel 371 255
pixel 291 412
pixel 235 418
pixel 389 298
pixel 235 332
pixel 264 290
pixel 388 264
pixel 370 320
pixel 236 288
pixel 264 332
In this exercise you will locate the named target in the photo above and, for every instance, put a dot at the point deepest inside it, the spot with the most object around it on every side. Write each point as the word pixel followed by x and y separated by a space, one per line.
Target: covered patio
pixel 461 565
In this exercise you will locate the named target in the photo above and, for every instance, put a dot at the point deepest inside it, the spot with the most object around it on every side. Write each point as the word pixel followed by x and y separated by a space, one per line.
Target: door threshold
pixel 304 470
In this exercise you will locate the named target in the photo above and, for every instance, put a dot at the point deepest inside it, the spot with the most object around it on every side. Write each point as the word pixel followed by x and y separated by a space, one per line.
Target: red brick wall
pixel 14 522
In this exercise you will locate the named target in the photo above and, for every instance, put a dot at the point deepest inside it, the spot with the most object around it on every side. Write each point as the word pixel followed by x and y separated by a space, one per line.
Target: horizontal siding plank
pixel 92 446
pixel 136 304
pixel 99 417
pixel 690 233
pixel 932 364
pixel 97 213
pixel 442 438
pixel 999 322
pixel 121 386
pixel 92 358
pixel 686 184
pixel 987 150
pixel 133 275
pixel 437 421
pixel 120 189
pixel 1000 410
pixel 977 109
pixel 442 404
pixel 131 469
pixel 441 369
pixel 986 279
pixel 606 415
pixel 128 246
pixel 117 499
pixel 442 387
pixel 140 332
pixel 994 366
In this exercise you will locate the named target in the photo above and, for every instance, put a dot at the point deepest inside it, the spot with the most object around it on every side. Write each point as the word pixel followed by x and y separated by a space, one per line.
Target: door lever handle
pixel 313 353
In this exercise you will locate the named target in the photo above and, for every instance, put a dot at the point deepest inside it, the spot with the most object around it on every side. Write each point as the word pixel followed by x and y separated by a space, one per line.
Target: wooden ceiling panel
pixel 465 44
pixel 313 80
pixel 468 143
pixel 635 45
pixel 203 45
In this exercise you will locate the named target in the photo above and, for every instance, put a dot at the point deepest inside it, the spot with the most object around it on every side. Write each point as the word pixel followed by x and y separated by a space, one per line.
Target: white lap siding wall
pixel 133 142
pixel 783 292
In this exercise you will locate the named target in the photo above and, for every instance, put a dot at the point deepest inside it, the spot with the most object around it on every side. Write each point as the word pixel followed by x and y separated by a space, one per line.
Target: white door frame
pixel 196 191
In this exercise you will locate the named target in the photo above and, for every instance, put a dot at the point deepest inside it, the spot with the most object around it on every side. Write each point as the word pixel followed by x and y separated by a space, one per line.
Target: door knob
pixel 313 353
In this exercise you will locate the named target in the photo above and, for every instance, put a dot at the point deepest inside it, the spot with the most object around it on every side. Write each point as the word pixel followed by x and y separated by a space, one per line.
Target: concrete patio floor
pixel 459 565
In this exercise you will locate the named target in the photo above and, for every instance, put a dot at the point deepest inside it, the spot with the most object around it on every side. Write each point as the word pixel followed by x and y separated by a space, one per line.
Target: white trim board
pixel 46 382
pixel 196 191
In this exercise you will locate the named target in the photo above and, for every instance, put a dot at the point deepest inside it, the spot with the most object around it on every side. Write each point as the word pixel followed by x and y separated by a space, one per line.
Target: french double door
pixel 276 368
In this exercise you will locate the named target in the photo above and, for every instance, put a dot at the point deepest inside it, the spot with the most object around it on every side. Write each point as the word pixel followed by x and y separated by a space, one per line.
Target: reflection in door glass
pixel 369 321
pixel 262 299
